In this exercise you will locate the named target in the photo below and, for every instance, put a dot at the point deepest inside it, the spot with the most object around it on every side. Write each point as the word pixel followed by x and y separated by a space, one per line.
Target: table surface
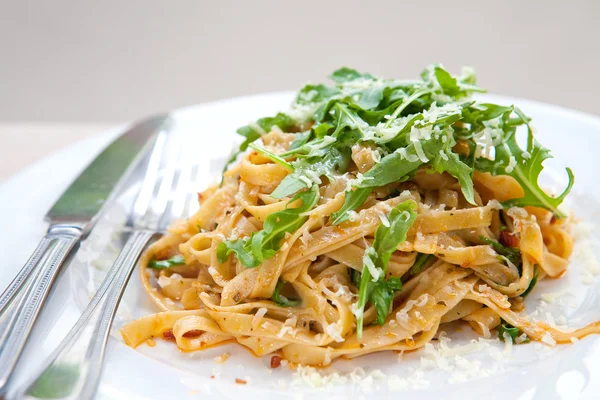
pixel 33 141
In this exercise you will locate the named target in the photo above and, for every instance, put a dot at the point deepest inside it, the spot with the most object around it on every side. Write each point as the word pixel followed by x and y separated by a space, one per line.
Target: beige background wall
pixel 71 69
pixel 116 60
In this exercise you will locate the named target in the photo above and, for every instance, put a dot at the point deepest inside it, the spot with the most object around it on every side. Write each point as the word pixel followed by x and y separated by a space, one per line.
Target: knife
pixel 71 218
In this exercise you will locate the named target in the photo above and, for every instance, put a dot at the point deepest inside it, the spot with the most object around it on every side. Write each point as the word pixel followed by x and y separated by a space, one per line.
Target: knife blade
pixel 71 218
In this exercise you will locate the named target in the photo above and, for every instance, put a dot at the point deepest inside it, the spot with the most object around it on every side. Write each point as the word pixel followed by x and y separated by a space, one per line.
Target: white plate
pixel 529 372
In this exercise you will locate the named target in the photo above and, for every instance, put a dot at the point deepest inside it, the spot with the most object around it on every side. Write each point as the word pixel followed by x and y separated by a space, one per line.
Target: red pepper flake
pixel 193 333
pixel 240 381
pixel 275 361
pixel 168 334
pixel 553 220
pixel 508 239
pixel 212 377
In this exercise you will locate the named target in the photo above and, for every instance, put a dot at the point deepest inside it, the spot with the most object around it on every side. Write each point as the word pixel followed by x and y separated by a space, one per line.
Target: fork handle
pixel 77 362
pixel 21 302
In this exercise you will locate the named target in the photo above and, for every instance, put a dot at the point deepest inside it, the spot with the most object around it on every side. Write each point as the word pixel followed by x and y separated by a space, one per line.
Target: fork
pixel 73 370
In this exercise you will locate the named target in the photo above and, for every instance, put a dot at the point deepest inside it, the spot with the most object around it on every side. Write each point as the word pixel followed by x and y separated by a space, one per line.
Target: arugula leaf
pixel 281 300
pixel 254 131
pixel 452 164
pixel 251 251
pixel 447 82
pixel 382 297
pixel 345 74
pixel 524 166
pixel 354 199
pixel 370 98
pixel 513 254
pixel 355 277
pixel 512 331
pixel 315 94
pixel 348 119
pixel 328 160
pixel 532 283
pixel 476 114
pixel 163 264
pixel 241 249
pixel 300 140
pixel 273 157
pixel 451 86
pixel 420 261
pixel 387 239
pixel 392 168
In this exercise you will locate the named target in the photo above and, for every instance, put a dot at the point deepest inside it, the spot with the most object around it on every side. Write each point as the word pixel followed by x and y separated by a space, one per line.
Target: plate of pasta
pixel 378 236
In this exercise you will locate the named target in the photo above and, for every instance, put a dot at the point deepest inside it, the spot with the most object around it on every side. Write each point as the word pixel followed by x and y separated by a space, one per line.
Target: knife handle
pixel 77 361
pixel 21 302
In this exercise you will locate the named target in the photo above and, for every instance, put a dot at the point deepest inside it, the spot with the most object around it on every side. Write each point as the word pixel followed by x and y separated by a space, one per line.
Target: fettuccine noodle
pixel 205 300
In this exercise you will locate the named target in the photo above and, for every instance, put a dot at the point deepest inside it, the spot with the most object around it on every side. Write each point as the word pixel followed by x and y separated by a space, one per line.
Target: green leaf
pixel 420 261
pixel 370 98
pixel 513 332
pixel 273 157
pixel 323 129
pixel 382 297
pixel 254 131
pixel 452 164
pixel 300 140
pixel 241 250
pixel 447 82
pixel 354 199
pixel 253 250
pixel 348 119
pixel 405 103
pixel 387 239
pixel 315 94
pixel 355 277
pixel 524 166
pixel 328 160
pixel 163 264
pixel 532 283
pixel 289 185
pixel 281 300
pixel 395 167
pixel 345 74
pixel 513 255
pixel 476 114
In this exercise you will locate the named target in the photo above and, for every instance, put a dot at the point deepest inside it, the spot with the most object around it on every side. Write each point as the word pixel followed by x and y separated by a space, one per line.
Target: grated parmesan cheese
pixel 222 358
pixel 551 297
pixel 352 216
pixel 335 331
pixel 420 152
pixel 404 154
pixel 285 329
pixel 548 339
pixel 163 281
pixel 512 163
pixel 373 270
pixel 257 318
pixel 384 219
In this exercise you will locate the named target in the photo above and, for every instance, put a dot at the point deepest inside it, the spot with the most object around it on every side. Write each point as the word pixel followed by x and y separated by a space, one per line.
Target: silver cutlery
pixel 71 218
pixel 163 196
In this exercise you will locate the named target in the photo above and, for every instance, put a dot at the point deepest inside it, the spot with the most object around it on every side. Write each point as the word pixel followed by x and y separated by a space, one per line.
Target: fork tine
pixel 144 197
pixel 177 209
pixel 192 192
pixel 176 204
pixel 171 155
